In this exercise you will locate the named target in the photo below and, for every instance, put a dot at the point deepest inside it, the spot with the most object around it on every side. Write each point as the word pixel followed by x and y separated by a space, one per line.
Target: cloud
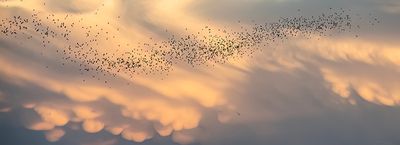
pixel 136 135
pixel 66 100
pixel 42 126
pixel 390 6
pixel 73 6
pixel 84 112
pixel 163 130
pixel 51 115
pixel 353 66
pixel 369 88
pixel 182 138
pixel 5 109
pixel 92 126
pixel 254 98
pixel 374 53
pixel 54 135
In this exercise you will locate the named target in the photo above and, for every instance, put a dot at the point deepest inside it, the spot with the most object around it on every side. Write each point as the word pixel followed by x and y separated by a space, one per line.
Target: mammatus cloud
pixel 92 126
pixel 135 117
pixel 182 138
pixel 370 90
pixel 180 102
pixel 54 135
pixel 368 69
pixel 52 116
pixel 3 106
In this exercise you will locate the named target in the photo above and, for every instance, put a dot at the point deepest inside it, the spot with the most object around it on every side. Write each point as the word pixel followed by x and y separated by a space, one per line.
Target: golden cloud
pixel 54 135
pixel 92 126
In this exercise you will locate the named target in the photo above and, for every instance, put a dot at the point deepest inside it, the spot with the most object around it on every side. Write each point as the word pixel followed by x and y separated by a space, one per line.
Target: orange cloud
pixel 182 138
pixel 92 126
pixel 51 115
pixel 41 126
pixel 54 135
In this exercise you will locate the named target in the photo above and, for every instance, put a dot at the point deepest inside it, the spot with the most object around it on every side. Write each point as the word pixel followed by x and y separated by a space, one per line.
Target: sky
pixel 338 89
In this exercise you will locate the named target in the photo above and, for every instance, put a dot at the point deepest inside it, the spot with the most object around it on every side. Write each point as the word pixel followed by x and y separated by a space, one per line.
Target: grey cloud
pixel 302 117
pixel 270 10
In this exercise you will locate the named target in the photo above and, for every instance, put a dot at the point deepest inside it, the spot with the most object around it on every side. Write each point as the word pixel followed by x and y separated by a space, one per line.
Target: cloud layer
pixel 297 82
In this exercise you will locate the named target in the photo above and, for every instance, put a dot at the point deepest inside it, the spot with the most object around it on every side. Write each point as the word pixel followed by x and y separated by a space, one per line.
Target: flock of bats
pixel 207 46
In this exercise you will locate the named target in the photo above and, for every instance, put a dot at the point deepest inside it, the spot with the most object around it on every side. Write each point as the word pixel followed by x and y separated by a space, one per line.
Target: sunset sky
pixel 338 89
